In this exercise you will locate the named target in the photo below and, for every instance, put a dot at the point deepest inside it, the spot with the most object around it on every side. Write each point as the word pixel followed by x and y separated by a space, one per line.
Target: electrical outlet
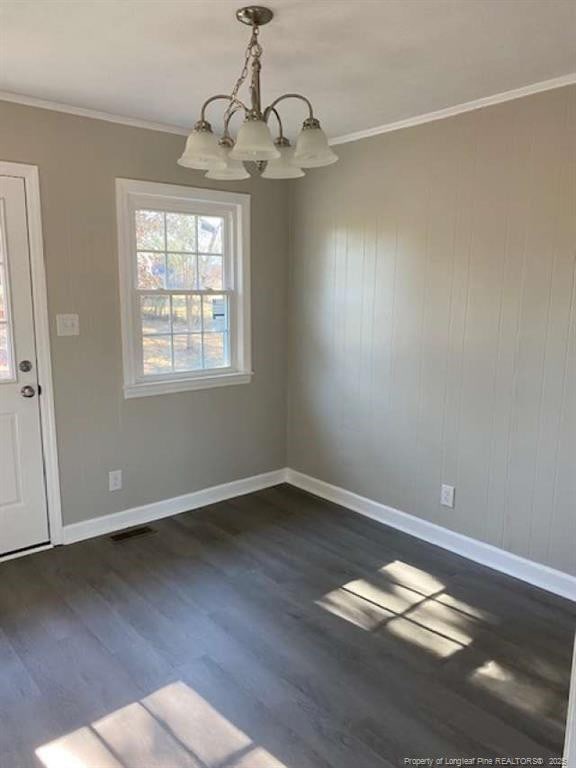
pixel 447 496
pixel 115 480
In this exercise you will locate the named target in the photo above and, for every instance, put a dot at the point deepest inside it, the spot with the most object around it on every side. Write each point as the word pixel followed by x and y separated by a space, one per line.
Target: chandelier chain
pixel 253 49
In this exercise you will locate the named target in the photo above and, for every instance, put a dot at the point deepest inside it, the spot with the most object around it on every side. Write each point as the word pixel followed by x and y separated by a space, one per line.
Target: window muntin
pixel 184 274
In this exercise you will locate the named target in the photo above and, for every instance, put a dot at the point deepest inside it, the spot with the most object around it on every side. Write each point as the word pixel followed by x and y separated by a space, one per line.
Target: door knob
pixel 27 391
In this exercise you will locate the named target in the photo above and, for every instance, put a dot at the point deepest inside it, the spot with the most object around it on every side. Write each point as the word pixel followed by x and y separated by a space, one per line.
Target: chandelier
pixel 275 158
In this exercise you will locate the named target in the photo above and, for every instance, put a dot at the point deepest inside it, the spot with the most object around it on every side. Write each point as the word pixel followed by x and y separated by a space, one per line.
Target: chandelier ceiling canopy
pixel 275 158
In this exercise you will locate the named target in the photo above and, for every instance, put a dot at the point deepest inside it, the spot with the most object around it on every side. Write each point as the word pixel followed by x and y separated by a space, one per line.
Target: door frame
pixel 570 743
pixel 30 175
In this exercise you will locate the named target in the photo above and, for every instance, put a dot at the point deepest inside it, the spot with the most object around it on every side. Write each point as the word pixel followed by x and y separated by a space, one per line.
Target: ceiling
pixel 364 63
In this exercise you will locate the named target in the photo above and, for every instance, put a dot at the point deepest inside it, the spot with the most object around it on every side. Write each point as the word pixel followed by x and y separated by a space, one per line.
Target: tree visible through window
pixel 180 266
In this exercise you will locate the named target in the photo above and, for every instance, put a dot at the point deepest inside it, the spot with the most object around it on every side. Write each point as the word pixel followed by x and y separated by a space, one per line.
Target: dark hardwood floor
pixel 274 630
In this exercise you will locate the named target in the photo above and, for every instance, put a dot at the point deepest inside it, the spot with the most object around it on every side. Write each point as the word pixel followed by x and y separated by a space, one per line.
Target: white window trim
pixel 131 195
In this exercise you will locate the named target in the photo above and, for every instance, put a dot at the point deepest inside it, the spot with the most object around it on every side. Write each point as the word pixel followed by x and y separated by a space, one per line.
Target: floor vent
pixel 130 534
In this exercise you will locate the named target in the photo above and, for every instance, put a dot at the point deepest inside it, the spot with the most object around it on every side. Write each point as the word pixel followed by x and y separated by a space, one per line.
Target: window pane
pixel 210 234
pixel 150 231
pixel 3 307
pixel 210 272
pixel 181 232
pixel 151 270
pixel 156 354
pixel 181 270
pixel 186 314
pixel 215 313
pixel 188 352
pixel 215 350
pixel 155 314
pixel 5 361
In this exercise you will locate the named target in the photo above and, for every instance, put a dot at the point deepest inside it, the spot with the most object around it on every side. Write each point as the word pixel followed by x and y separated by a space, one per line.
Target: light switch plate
pixel 67 325
pixel 447 496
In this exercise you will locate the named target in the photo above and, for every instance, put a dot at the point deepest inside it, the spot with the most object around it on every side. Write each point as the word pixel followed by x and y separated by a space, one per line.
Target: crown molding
pixel 134 122
pixel 428 117
pixel 458 109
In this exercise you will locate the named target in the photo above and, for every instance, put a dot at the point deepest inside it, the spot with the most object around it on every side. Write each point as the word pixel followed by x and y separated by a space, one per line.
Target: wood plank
pixel 277 631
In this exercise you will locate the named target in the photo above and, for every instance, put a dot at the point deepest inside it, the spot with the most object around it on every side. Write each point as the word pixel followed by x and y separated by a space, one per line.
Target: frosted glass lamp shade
pixel 284 167
pixel 202 150
pixel 312 148
pixel 230 170
pixel 254 142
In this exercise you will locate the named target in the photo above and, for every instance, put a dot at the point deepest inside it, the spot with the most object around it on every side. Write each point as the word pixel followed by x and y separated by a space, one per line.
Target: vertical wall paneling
pixel 432 334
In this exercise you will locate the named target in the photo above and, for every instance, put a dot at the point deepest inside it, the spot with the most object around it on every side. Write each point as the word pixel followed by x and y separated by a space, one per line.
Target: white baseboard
pixel 99 526
pixel 534 573
pixel 519 567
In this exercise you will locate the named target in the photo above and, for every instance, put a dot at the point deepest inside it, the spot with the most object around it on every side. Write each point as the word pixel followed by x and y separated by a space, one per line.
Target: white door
pixel 23 508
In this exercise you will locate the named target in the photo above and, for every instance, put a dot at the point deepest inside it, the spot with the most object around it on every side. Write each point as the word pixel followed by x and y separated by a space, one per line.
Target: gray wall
pixel 432 323
pixel 432 334
pixel 170 444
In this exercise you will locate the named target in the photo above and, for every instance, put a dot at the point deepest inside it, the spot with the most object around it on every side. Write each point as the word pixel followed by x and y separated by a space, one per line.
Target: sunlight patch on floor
pixel 412 577
pixel 354 609
pixel 392 597
pixel 80 749
pixel 131 732
pixel 202 729
pixel 466 608
pixel 514 688
pixel 443 620
pixel 426 639
pixel 173 726
pixel 409 615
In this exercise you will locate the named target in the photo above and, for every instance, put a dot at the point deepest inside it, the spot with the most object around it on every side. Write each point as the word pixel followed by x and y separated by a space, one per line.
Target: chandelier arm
pixel 289 96
pixel 227 118
pixel 220 96
pixel 280 126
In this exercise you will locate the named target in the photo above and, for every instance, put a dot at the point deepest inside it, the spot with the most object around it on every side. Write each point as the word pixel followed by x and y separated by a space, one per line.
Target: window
pixel 184 276
pixel 6 343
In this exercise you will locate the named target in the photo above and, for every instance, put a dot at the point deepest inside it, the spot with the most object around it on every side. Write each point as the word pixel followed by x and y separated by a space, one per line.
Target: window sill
pixel 145 389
